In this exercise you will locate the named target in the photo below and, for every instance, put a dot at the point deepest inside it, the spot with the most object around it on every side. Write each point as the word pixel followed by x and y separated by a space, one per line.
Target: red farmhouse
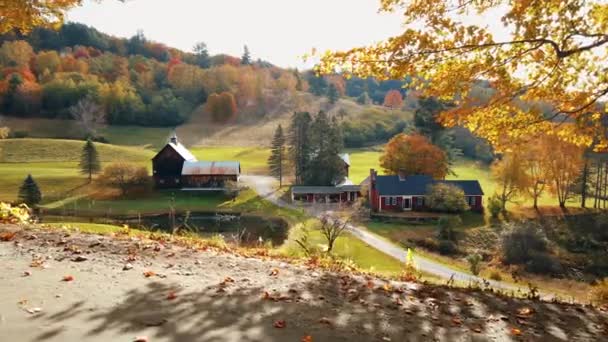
pixel 396 192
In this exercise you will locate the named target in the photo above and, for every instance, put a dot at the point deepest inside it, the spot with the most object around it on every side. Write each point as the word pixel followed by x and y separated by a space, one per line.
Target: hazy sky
pixel 279 31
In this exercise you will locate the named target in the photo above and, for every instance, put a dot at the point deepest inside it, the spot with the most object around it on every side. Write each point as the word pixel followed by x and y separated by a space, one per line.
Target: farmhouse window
pixel 394 200
pixel 387 201
pixel 420 201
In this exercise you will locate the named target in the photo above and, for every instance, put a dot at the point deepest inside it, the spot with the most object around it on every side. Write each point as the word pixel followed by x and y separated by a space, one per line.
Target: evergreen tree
pixel 29 192
pixel 299 144
pixel 202 55
pixel 364 99
pixel 326 166
pixel 246 58
pixel 332 94
pixel 89 160
pixel 277 155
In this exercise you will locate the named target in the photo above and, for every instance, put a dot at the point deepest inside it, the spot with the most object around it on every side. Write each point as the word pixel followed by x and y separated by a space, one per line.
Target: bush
pixel 599 293
pixel 446 225
pixel 494 206
pixel 126 177
pixel 474 261
pixel 447 247
pixel 19 134
pixel 447 198
pixel 542 263
pixel 521 240
pixel 495 275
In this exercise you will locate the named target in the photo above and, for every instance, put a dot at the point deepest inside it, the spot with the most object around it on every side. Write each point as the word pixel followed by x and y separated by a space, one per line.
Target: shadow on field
pixel 331 308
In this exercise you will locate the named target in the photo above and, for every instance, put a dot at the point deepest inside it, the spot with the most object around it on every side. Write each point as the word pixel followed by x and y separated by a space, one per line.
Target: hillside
pixel 161 291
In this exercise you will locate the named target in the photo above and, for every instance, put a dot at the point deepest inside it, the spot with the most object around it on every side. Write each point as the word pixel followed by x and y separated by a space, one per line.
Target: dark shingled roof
pixel 419 184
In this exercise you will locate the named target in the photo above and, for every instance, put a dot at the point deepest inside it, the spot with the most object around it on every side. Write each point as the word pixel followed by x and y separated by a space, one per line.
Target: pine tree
pixel 277 156
pixel 29 192
pixel 332 94
pixel 89 160
pixel 327 142
pixel 299 144
pixel 246 58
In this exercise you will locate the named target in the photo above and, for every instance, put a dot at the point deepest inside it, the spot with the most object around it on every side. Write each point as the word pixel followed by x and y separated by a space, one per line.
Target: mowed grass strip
pixel 254 160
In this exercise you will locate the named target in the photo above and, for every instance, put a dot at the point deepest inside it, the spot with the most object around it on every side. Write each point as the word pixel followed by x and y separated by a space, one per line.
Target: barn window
pixel 472 201
pixel 394 200
pixel 387 201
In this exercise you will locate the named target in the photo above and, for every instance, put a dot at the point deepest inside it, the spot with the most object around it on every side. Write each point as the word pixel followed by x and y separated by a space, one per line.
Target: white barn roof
pixel 346 158
pixel 211 168
pixel 182 151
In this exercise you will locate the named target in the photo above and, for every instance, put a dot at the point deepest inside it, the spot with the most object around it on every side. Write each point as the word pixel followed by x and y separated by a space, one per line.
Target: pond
pixel 245 229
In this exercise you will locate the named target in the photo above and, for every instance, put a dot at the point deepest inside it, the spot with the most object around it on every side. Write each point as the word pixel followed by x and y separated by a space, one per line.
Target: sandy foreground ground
pixel 58 286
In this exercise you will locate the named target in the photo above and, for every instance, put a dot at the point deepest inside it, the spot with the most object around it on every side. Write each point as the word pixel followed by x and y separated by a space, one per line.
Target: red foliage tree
pixel 393 99
pixel 414 155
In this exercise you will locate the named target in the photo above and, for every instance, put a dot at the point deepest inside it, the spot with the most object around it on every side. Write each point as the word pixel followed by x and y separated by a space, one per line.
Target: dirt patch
pixel 123 288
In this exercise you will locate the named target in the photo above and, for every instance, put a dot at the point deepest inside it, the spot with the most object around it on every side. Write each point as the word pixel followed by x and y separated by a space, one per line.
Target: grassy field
pixel 253 159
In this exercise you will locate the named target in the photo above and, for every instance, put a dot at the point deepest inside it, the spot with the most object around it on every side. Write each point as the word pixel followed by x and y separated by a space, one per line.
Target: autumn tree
pixel 16 53
pixel 414 155
pixel 126 177
pixel 222 107
pixel 510 176
pixel 546 51
pixel 535 167
pixel 89 160
pixel 276 161
pixel 393 99
pixel 89 116
pixel 563 167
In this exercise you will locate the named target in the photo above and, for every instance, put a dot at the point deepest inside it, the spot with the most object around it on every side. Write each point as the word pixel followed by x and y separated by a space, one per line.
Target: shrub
pixel 126 177
pixel 494 206
pixel 447 247
pixel 474 261
pixel 542 263
pixel 447 198
pixel 521 240
pixel 446 225
pixel 495 275
pixel 599 293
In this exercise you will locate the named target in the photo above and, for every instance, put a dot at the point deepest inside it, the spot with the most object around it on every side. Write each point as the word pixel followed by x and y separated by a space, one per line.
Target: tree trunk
pixel 584 185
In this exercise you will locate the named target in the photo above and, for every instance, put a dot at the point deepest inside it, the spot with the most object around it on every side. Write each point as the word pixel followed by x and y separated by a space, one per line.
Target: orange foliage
pixel 24 72
pixel 393 99
pixel 414 155
pixel 222 107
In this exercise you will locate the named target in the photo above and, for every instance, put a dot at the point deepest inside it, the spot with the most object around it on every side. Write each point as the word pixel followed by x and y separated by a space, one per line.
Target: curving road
pixel 265 186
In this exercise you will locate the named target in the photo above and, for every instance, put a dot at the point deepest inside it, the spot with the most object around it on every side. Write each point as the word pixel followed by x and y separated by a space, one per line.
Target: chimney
pixel 401 174
pixel 372 178
pixel 173 138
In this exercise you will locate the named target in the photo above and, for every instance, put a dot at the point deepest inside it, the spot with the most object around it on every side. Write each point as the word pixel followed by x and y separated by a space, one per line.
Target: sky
pixel 279 31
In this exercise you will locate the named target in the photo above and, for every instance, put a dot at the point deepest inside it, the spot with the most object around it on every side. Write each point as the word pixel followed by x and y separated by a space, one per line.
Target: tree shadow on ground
pixel 330 308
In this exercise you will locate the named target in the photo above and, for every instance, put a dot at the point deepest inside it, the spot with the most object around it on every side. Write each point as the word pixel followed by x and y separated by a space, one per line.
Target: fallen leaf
pixel 307 338
pixel 456 321
pixel 266 295
pixel 149 274
pixel 33 310
pixel 171 295
pixel 274 272
pixel 280 324
pixel 68 278
pixel 7 236
pixel 127 267
pixel 141 339
pixel 515 331
pixel 228 280
pixel 525 311
pixel 477 330
pixel 325 320
pixel 27 273
pixel 80 258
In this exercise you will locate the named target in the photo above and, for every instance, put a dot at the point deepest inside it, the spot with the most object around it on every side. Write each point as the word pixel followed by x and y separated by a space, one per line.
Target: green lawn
pixel 253 159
